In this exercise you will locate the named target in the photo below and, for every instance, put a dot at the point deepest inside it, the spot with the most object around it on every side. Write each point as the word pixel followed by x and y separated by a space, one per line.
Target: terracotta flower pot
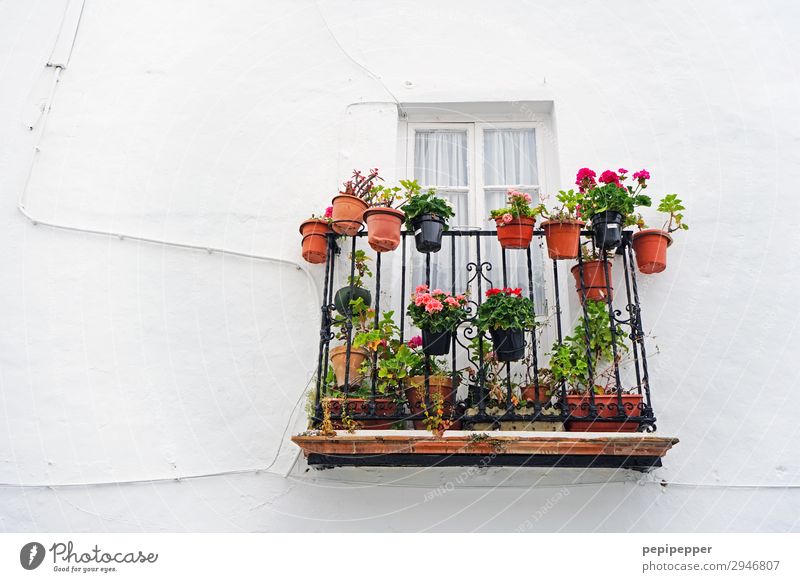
pixel 383 407
pixel 383 228
pixel 315 240
pixel 563 238
pixel 594 280
pixel 529 393
pixel 650 246
pixel 442 385
pixel 516 234
pixel 338 356
pixel 607 406
pixel 348 214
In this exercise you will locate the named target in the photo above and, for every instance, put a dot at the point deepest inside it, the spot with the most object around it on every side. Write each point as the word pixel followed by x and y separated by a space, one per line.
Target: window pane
pixel 440 158
pixel 509 157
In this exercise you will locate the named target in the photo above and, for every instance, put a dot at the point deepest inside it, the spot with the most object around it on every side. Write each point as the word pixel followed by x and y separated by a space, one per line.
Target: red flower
pixel 493 291
pixel 609 177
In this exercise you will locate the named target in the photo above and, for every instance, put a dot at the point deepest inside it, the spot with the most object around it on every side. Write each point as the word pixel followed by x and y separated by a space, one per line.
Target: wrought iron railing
pixel 489 393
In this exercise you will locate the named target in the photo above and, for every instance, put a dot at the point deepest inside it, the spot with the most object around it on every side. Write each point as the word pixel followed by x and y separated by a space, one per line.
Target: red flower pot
pixel 516 234
pixel 650 246
pixel 383 407
pixel 348 214
pixel 594 280
pixel 529 393
pixel 315 240
pixel 607 406
pixel 442 385
pixel 563 238
pixel 383 228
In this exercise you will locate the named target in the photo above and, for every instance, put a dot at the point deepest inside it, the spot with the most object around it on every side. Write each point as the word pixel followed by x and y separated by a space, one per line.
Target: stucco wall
pixel 225 123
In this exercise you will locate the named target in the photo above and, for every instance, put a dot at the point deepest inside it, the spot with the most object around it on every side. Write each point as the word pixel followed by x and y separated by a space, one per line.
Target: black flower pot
pixel 607 228
pixel 436 343
pixel 428 229
pixel 508 344
pixel 342 298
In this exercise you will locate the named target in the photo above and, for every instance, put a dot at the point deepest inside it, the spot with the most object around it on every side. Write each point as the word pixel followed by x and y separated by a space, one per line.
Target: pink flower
pixel 609 177
pixel 437 292
pixel 451 301
pixel 641 175
pixel 585 179
pixel 515 194
pixel 528 197
pixel 329 212
pixel 622 171
pixel 422 299
pixel 433 306
pixel 507 218
pixel 421 289
pixel 461 297
pixel 415 342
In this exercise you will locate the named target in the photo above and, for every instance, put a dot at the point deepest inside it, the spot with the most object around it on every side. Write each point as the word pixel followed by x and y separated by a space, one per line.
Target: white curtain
pixel 440 158
pixel 509 157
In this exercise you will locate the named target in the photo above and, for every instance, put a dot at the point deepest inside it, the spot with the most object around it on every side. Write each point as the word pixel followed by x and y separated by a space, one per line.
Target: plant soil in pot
pixel 607 405
pixel 348 214
pixel 594 280
pixel 315 240
pixel 436 343
pixel 563 238
pixel 428 230
pixel 383 407
pixel 383 228
pixel 650 246
pixel 338 357
pixel 342 298
pixel 607 228
pixel 515 234
pixel 508 344
pixel 442 385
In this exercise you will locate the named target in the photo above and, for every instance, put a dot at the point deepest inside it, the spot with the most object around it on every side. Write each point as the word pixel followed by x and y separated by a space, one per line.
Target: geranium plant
pixel 436 313
pixel 650 244
pixel 562 229
pixel 506 314
pixel 515 220
pixel 427 216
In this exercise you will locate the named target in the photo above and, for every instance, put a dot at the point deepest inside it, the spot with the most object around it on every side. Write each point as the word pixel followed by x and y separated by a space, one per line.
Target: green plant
pixel 361 185
pixel 673 206
pixel 361 319
pixel 361 268
pixel 612 195
pixel 436 310
pixel 419 203
pixel 569 209
pixel 518 205
pixel 434 415
pixel 505 309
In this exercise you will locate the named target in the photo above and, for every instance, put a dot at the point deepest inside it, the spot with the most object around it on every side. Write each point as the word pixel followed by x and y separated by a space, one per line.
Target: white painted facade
pixel 224 124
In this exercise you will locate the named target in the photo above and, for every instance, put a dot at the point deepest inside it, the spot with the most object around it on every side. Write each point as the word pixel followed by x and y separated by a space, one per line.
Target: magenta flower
pixel 585 179
pixel 415 342
pixel 329 212
pixel 641 175
pixel 622 171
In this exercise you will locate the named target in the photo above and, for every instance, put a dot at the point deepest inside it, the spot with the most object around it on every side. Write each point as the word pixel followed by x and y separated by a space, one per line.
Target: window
pixel 473 165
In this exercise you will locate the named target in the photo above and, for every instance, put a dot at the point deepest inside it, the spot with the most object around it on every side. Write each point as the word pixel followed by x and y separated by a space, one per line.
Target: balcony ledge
pixel 416 448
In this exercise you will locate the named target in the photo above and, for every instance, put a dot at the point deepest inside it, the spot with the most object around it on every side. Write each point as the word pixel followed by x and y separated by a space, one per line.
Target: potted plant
pixel 608 206
pixel 597 280
pixel 650 244
pixel 426 216
pixel 546 384
pixel 350 370
pixel 515 221
pixel 562 229
pixel 347 214
pixel 315 232
pixel 436 313
pixel 442 387
pixel 383 220
pixel 569 362
pixel 354 289
pixel 506 314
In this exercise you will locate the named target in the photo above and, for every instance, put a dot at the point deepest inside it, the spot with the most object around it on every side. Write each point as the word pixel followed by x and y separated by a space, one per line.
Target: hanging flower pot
pixel 650 246
pixel 383 228
pixel 343 297
pixel 383 407
pixel 607 228
pixel 338 356
pixel 436 343
pixel 348 214
pixel 607 407
pixel 428 229
pixel 315 240
pixel 595 278
pixel 563 238
pixel 441 385
pixel 516 233
pixel 508 344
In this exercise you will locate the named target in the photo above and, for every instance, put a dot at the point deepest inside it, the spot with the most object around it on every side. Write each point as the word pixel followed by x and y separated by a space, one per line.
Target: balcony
pixel 366 411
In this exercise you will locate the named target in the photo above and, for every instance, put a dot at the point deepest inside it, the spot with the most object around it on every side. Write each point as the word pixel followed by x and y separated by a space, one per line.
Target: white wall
pixel 226 123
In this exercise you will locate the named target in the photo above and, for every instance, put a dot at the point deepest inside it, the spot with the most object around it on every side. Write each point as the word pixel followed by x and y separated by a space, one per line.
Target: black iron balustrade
pixel 475 408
